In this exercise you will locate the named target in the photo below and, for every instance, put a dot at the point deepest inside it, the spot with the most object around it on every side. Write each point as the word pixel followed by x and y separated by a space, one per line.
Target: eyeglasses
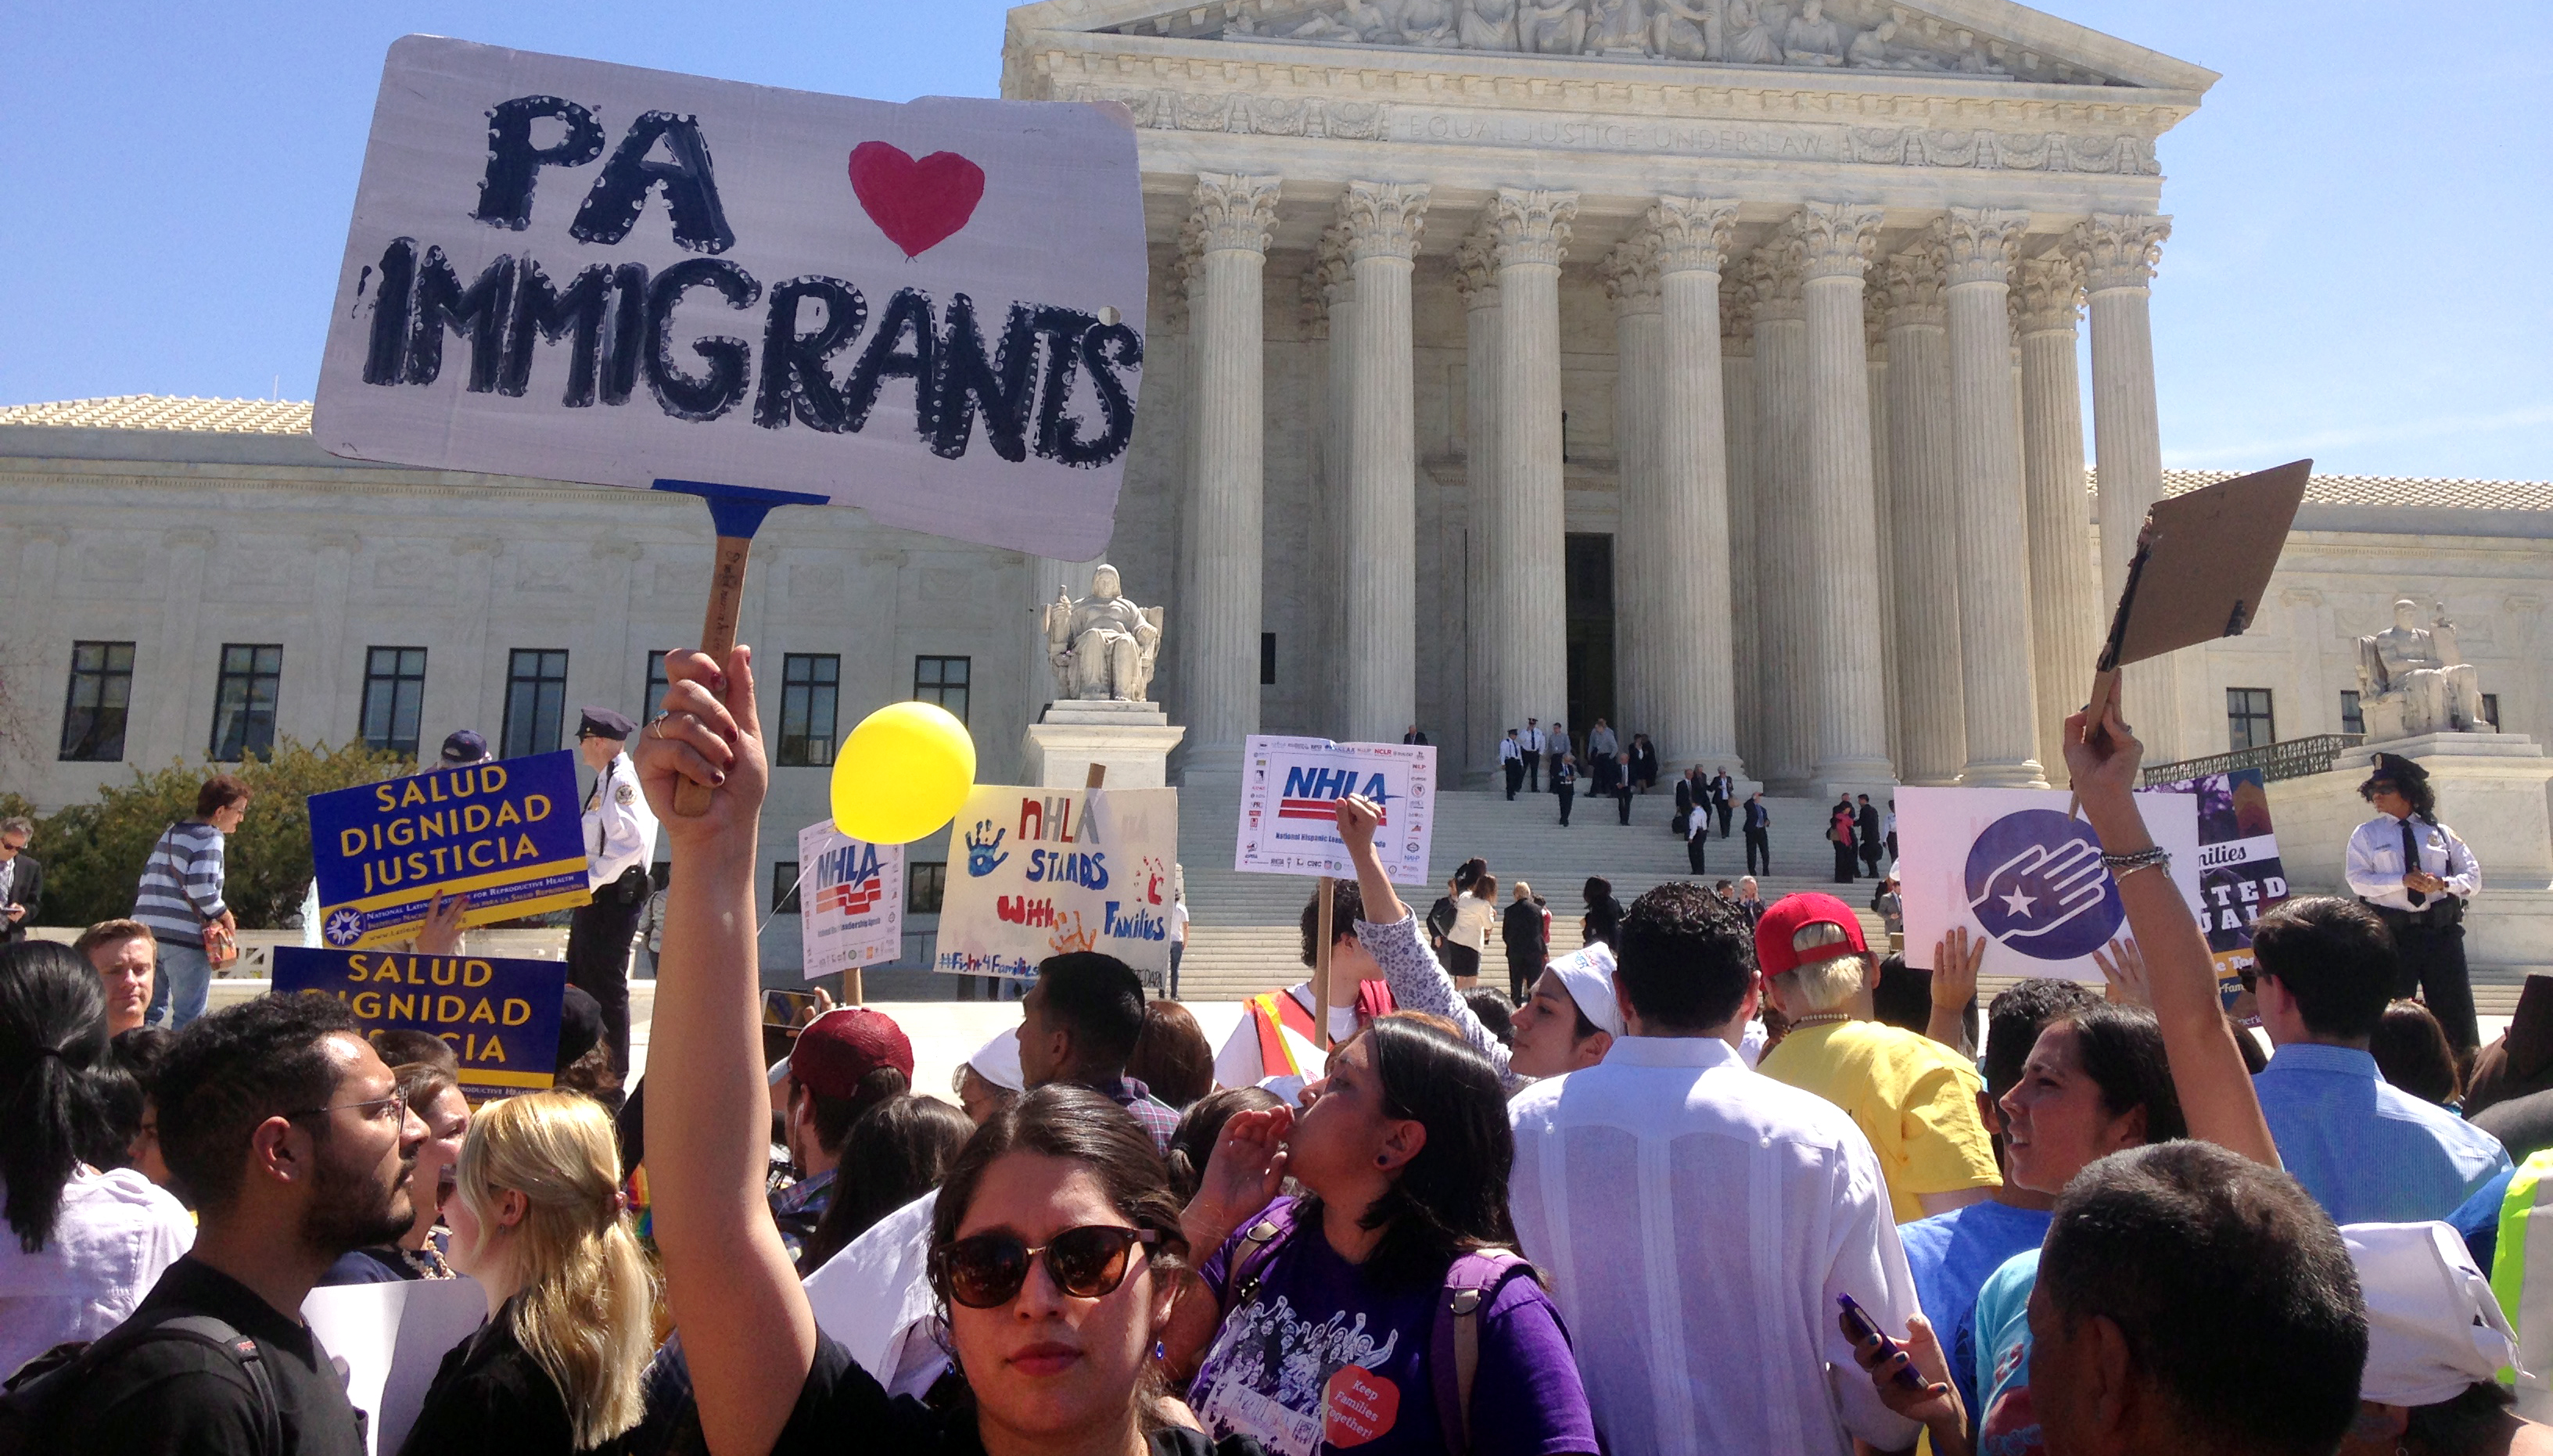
pixel 985 1272
pixel 396 1101
pixel 5 845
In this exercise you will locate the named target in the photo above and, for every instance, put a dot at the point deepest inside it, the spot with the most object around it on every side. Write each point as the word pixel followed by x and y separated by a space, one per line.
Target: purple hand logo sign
pixel 2037 883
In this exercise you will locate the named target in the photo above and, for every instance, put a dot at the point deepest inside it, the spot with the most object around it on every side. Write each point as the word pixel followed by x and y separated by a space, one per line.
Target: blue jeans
pixel 1178 948
pixel 185 979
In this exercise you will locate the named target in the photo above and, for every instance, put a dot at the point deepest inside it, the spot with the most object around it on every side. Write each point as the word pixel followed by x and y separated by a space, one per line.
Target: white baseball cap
pixel 1589 974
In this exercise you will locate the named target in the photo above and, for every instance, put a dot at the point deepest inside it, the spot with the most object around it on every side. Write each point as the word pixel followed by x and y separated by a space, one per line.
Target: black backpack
pixel 34 1398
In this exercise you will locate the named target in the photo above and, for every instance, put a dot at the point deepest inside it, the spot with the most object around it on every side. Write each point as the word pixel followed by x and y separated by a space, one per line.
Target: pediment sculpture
pixel 2413 680
pixel 1102 647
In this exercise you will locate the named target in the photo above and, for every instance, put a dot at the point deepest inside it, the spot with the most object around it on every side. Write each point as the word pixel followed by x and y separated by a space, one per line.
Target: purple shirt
pixel 1320 1342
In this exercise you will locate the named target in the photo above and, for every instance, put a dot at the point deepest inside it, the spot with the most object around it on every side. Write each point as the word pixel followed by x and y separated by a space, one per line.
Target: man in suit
pixel 1413 735
pixel 22 881
pixel 1723 793
pixel 1866 822
pixel 1685 803
pixel 1760 835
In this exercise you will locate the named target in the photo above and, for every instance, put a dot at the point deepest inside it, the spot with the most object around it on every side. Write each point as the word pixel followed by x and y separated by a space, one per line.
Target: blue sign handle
pixel 737 511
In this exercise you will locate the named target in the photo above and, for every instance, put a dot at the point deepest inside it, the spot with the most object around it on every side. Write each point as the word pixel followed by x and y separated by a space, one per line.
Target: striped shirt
pixel 181 886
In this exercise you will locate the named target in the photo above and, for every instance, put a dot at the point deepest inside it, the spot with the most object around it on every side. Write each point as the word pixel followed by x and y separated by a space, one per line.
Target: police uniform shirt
pixel 2375 862
pixel 619 828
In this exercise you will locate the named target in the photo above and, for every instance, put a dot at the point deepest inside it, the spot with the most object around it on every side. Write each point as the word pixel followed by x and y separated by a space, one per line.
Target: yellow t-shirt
pixel 1915 1099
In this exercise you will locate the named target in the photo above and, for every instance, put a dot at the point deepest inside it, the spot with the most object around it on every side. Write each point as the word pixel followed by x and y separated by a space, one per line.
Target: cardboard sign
pixel 1289 794
pixel 2010 865
pixel 851 900
pixel 506 834
pixel 500 1016
pixel 565 269
pixel 1035 873
pixel 2240 874
pixel 393 1338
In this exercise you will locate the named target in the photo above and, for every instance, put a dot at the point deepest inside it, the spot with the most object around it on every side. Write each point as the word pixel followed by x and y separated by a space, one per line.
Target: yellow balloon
pixel 902 774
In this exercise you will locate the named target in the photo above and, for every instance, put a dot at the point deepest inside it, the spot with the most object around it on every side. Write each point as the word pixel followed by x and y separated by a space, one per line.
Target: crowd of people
pixel 1729 1177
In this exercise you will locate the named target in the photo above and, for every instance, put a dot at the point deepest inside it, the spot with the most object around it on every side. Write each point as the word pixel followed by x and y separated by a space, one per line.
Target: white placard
pixel 393 1337
pixel 1035 873
pixel 565 269
pixel 850 901
pixel 1289 794
pixel 2009 865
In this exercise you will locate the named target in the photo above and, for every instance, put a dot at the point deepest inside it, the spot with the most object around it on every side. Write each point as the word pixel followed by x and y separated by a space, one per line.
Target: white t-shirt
pixel 116 1233
pixel 1239 1062
pixel 1178 922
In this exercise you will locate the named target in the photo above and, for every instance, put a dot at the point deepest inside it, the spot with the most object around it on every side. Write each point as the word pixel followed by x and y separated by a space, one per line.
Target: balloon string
pixel 784 896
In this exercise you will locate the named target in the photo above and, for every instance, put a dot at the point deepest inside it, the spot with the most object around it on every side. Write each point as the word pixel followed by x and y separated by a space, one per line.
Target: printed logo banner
pixel 2011 865
pixel 1035 873
pixel 500 1016
pixel 1289 794
pixel 570 271
pixel 506 834
pixel 2240 876
pixel 851 900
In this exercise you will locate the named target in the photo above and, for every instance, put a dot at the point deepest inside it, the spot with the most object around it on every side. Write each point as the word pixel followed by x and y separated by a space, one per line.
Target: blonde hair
pixel 584 1312
pixel 1823 986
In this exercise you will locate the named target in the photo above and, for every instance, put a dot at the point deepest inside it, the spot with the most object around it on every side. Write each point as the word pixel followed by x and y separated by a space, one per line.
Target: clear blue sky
pixel 2358 270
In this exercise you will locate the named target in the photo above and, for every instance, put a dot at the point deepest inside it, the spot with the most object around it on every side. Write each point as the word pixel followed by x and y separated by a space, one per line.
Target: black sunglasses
pixel 985 1272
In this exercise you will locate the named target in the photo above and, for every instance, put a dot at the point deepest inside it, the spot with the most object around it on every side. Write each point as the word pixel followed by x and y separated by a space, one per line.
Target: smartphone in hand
pixel 1857 1321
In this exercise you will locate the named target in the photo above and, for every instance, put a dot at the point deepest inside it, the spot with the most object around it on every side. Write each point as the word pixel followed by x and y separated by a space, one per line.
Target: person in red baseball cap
pixel 845 1062
pixel 1914 1098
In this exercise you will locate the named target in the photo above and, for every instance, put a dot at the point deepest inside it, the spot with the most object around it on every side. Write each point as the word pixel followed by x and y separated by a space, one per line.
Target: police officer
pixel 619 841
pixel 2418 876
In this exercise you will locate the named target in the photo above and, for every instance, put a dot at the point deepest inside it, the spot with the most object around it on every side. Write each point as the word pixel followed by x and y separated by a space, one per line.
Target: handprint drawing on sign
pixel 1154 876
pixel 980 859
pixel 1073 938
pixel 2036 882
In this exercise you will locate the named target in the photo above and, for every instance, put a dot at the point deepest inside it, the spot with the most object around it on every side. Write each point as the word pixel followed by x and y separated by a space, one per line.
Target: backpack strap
pixel 37 1400
pixel 1454 1337
pixel 1259 1244
pixel 244 1352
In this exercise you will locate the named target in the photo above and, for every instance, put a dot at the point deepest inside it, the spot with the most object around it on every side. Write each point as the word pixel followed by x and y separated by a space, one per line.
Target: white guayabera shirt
pixel 1697 1221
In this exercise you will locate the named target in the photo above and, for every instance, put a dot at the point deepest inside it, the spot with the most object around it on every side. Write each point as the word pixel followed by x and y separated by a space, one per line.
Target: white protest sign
pixel 1035 873
pixel 1289 794
pixel 565 269
pixel 851 900
pixel 2010 865
pixel 393 1338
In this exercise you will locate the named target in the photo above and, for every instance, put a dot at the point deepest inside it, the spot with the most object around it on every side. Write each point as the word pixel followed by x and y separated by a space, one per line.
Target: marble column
pixel 1648 652
pixel 1383 222
pixel 1475 278
pixel 1234 215
pixel 1924 531
pixel 1848 695
pixel 1529 229
pixel 1874 337
pixel 1994 539
pixel 1696 703
pixel 2065 613
pixel 1786 647
pixel 2119 251
pixel 1337 453
pixel 1737 410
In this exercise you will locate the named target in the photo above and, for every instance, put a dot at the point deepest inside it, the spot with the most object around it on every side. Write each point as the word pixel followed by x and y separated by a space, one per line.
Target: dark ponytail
pixel 54 1081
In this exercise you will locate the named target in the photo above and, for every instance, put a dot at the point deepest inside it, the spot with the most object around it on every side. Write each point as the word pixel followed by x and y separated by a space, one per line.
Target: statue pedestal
pixel 1132 739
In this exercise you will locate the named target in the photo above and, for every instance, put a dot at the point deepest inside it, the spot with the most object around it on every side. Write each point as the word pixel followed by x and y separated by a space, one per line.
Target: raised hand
pixel 440 935
pixel 1955 960
pixel 1243 1175
pixel 1358 819
pixel 980 859
pixel 709 732
pixel 2039 891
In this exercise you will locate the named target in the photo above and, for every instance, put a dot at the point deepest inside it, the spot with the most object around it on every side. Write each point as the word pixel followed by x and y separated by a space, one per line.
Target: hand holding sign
pixel 697 740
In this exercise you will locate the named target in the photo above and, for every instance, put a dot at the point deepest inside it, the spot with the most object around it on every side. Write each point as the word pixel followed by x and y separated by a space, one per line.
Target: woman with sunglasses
pixel 1055 1245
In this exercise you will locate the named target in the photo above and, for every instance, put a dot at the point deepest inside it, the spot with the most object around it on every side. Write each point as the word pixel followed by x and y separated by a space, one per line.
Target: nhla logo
pixel 1313 792
pixel 849 880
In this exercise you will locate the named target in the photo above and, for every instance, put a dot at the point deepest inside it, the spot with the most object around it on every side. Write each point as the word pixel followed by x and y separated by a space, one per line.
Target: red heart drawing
pixel 1358 1406
pixel 919 205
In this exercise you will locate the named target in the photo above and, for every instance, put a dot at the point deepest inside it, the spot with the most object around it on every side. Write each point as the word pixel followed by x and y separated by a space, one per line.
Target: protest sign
pixel 1289 794
pixel 2012 866
pixel 2240 876
pixel 850 901
pixel 504 834
pixel 500 1016
pixel 392 1339
pixel 567 269
pixel 1033 872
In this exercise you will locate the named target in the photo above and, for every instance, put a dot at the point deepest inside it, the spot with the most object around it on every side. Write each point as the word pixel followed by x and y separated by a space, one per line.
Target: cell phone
pixel 790 1009
pixel 1863 1327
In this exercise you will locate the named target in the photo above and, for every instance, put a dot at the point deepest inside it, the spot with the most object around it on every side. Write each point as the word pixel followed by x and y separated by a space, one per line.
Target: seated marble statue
pixel 1553 27
pixel 1487 24
pixel 1869 50
pixel 1619 25
pixel 1814 38
pixel 2413 680
pixel 1751 36
pixel 1683 32
pixel 1103 646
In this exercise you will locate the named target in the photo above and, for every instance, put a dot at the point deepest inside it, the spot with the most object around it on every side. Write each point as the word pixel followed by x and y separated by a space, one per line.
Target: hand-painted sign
pixel 1033 872
pixel 851 900
pixel 2240 874
pixel 500 1016
pixel 2012 866
pixel 1291 790
pixel 565 269
pixel 506 834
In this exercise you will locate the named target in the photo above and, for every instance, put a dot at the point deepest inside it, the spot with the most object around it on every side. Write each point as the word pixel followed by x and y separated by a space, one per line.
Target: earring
pixel 1383 1160
pixel 1161 1352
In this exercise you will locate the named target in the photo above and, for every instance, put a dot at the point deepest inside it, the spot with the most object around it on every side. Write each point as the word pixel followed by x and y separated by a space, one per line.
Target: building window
pixel 925 881
pixel 784 887
pixel 535 701
pixel 2248 723
pixel 944 680
pixel 94 707
pixel 657 684
pixel 393 695
pixel 2491 710
pixel 2351 719
pixel 244 704
pixel 810 682
pixel 1267 658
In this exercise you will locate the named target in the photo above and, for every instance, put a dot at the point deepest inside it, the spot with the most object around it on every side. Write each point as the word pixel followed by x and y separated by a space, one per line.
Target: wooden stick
pixel 1321 970
pixel 717 639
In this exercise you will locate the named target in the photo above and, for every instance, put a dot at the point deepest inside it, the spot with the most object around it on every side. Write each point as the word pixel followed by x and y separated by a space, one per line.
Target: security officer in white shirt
pixel 2418 876
pixel 1533 755
pixel 619 842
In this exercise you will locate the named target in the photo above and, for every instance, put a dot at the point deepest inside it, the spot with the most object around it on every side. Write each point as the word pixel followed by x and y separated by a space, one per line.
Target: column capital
pixel 1232 212
pixel 1187 271
pixel 1693 233
pixel 1531 225
pixel 1383 218
pixel 1836 238
pixel 1980 243
pixel 2051 293
pixel 1476 271
pixel 1874 316
pixel 1632 274
pixel 1736 315
pixel 1915 279
pixel 1774 269
pixel 2119 250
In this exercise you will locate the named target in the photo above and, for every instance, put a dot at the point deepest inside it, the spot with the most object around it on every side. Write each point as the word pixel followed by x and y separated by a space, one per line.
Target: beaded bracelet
pixel 2152 857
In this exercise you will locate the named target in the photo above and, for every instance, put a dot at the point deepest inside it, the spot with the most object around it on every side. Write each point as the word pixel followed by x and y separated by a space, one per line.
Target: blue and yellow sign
pixel 504 834
pixel 502 1017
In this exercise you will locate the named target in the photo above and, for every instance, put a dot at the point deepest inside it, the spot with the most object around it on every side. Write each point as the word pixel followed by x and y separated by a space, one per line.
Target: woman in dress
pixel 1475 911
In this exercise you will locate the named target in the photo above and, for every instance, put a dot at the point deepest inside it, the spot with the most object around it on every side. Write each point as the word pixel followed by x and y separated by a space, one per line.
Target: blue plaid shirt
pixel 1158 1117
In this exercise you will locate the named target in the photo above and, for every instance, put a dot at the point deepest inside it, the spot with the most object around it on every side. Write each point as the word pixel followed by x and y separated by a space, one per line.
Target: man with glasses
pixel 281 1122
pixel 22 881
